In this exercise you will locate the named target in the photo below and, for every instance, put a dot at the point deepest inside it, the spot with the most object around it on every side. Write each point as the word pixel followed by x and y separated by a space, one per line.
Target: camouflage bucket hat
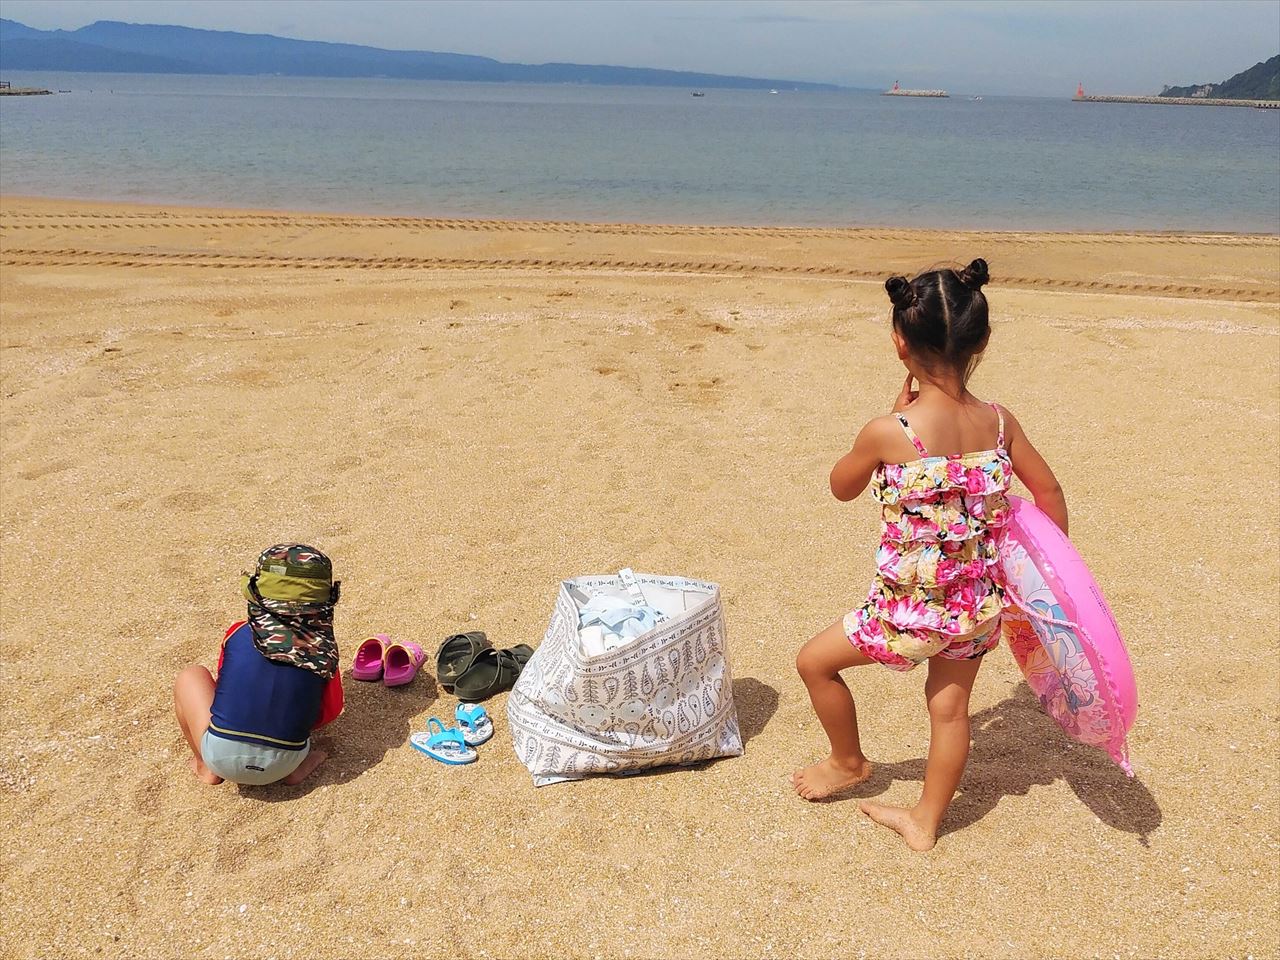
pixel 291 596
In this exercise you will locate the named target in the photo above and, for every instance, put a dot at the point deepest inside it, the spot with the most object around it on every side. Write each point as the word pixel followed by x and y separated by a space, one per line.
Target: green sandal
pixel 457 653
pixel 492 671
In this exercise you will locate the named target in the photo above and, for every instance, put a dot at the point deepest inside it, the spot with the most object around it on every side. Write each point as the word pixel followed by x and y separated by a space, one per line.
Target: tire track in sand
pixel 119 221
pixel 20 257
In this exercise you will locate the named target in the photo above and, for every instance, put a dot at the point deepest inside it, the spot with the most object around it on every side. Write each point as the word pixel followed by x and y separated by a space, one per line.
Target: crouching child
pixel 277 677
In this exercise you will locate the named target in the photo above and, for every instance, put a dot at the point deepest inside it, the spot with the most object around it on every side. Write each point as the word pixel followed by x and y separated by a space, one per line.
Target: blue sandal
pixel 442 743
pixel 476 726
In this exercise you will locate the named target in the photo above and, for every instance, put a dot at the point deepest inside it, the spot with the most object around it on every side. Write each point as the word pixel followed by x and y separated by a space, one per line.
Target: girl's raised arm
pixel 1034 473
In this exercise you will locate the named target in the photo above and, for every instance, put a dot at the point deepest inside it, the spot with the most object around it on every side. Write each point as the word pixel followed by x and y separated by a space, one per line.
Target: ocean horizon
pixel 641 154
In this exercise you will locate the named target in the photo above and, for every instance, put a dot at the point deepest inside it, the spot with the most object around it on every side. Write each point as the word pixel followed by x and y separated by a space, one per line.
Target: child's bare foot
pixel 828 777
pixel 204 774
pixel 306 768
pixel 918 835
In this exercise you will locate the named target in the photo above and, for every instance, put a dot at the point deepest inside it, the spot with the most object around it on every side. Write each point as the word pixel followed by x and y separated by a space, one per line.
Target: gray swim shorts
pixel 249 763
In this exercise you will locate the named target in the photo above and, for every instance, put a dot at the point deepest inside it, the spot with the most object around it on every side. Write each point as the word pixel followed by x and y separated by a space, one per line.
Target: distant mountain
pixel 110 46
pixel 42 54
pixel 1259 82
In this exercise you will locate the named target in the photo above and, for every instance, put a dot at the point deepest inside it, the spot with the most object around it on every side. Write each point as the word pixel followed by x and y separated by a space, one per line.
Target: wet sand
pixel 462 414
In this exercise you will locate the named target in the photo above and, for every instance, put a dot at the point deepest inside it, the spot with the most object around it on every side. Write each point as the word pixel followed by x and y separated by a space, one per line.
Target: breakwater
pixel 23 92
pixel 916 93
pixel 1182 101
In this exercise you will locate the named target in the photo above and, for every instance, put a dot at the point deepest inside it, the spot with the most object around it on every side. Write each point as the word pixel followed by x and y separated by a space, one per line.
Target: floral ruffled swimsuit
pixel 935 592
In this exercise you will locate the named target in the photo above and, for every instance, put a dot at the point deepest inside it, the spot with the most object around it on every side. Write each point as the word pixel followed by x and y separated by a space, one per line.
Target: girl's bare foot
pixel 918 835
pixel 828 777
pixel 204 774
pixel 306 768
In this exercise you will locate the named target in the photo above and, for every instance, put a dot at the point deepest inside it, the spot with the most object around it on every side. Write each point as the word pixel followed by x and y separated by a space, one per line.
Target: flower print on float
pixel 1063 636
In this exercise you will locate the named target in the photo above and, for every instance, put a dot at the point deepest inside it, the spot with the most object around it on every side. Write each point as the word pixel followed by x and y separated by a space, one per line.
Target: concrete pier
pixel 1182 101
pixel 916 93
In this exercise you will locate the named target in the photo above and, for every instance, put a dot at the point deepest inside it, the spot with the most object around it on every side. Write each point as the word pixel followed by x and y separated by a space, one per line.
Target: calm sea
pixel 641 154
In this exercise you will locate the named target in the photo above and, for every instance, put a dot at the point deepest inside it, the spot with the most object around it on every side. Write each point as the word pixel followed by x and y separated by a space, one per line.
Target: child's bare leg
pixel 947 691
pixel 306 767
pixel 819 664
pixel 192 699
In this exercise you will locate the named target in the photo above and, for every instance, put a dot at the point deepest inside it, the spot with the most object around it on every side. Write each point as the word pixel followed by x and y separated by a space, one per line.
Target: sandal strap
pixel 471 715
pixel 452 736
pixel 439 735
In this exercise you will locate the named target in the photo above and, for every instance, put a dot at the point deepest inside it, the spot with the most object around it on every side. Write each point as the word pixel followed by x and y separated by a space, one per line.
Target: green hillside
pixel 1259 82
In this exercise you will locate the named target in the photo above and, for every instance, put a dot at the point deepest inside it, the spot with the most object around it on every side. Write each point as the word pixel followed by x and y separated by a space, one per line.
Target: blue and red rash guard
pixel 268 703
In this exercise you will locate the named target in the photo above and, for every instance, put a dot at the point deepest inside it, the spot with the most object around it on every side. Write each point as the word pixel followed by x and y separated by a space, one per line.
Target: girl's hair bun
pixel 975 275
pixel 900 292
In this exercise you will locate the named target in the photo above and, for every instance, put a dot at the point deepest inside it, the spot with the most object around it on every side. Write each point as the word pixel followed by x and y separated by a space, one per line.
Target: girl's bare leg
pixel 819 664
pixel 192 698
pixel 947 692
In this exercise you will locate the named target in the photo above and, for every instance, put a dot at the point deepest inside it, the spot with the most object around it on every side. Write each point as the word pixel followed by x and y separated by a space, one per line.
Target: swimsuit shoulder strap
pixel 1000 428
pixel 911 435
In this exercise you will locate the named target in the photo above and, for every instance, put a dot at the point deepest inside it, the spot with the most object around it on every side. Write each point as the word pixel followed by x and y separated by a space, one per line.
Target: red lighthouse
pixel 1080 90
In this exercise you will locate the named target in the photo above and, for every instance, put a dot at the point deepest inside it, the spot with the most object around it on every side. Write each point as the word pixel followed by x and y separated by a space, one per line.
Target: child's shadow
pixel 1015 747
pixel 375 719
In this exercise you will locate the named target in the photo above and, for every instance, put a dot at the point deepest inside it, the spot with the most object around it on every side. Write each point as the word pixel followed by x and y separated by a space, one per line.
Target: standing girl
pixel 939 466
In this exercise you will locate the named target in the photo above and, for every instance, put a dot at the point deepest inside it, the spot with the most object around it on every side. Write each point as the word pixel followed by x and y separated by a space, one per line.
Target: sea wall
pixel 1183 101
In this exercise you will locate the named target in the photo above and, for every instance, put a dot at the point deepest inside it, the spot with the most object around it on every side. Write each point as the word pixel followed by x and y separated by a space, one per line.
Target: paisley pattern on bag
pixel 665 698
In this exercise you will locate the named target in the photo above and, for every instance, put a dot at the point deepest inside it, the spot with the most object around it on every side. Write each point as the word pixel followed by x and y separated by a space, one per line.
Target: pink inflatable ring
pixel 1063 635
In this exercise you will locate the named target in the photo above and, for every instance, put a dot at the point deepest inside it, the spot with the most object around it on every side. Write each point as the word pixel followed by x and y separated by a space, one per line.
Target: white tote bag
pixel 663 697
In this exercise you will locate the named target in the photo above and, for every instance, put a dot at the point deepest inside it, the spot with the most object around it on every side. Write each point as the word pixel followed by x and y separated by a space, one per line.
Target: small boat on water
pixel 773 91
pixel 697 93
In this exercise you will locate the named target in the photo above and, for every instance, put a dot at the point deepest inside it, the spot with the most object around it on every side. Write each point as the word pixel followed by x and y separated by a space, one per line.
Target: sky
pixel 1034 48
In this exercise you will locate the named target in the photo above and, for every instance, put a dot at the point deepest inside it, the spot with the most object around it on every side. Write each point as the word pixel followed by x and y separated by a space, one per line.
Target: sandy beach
pixel 463 413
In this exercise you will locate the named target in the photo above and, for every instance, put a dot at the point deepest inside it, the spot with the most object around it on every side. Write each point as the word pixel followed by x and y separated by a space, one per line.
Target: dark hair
pixel 942 314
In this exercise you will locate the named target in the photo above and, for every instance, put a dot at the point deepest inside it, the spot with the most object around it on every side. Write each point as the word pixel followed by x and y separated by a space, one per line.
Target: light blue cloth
pixel 618 620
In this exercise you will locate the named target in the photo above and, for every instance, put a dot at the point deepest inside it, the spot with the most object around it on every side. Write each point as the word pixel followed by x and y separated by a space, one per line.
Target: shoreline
pixel 186 208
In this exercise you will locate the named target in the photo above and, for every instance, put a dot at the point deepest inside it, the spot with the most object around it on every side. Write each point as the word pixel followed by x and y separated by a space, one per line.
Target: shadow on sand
pixel 756 703
pixel 1016 747
pixel 375 720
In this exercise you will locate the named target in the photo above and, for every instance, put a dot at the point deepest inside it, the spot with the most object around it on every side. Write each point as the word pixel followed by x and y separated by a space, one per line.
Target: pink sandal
pixel 370 657
pixel 402 662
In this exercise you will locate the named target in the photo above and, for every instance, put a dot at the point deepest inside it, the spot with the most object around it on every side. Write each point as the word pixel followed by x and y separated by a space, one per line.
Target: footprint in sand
pixel 190 501
pixel 44 470
pixel 703 393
